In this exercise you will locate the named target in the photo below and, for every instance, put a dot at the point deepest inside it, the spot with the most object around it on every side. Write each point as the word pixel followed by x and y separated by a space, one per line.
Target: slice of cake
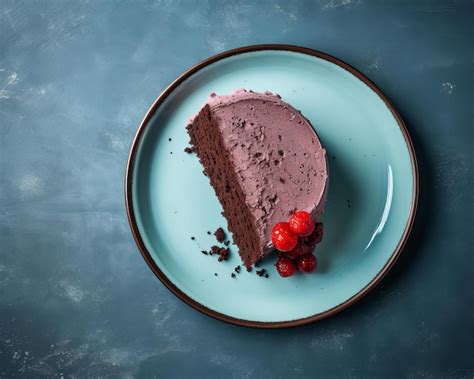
pixel 264 160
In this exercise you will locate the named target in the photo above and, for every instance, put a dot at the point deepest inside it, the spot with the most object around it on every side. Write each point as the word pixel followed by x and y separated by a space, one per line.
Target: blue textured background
pixel 76 298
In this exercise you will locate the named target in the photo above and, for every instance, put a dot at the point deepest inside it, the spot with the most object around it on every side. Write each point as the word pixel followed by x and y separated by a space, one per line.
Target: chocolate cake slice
pixel 264 160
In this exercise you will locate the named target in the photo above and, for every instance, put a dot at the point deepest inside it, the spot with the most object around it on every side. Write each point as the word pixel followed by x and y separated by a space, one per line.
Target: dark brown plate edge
pixel 258 324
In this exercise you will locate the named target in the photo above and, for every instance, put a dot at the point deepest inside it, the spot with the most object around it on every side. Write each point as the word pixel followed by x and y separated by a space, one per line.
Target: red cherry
pixel 301 223
pixel 285 267
pixel 317 235
pixel 300 249
pixel 306 263
pixel 283 238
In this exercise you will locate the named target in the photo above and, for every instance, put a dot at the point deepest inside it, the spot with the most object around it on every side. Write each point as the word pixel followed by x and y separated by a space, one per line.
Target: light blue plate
pixel 371 203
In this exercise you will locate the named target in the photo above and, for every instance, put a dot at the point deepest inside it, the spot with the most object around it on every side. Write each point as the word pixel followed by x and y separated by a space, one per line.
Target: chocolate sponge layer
pixel 218 167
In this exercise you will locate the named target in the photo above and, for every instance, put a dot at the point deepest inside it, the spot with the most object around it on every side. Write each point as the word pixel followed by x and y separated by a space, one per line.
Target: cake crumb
pixel 223 254
pixel 227 243
pixel 232 275
pixel 193 238
pixel 237 269
pixel 208 232
pixel 204 252
pixel 214 250
pixel 220 235
pixel 169 139
pixel 215 274
pixel 190 150
pixel 262 272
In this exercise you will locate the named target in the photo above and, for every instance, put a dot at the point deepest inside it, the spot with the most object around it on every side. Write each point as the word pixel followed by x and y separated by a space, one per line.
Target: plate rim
pixel 221 316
